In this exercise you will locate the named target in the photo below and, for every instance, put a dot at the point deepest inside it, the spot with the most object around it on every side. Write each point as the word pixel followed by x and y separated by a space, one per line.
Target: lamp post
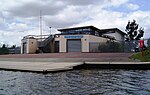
pixel 50 30
pixel 41 24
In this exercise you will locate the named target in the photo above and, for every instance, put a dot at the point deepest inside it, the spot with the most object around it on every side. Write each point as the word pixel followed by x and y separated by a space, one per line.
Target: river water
pixel 76 82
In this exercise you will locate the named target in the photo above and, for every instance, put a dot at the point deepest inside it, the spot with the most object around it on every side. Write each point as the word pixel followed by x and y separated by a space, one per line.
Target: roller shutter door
pixel 73 45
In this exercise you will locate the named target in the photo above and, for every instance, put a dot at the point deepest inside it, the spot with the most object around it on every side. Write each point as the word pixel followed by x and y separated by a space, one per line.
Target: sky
pixel 19 18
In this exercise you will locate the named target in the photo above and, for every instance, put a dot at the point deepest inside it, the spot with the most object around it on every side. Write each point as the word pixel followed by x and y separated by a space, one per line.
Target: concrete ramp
pixel 42 67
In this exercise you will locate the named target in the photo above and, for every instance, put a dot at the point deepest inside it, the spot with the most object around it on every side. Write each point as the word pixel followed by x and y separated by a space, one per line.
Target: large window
pixel 78 31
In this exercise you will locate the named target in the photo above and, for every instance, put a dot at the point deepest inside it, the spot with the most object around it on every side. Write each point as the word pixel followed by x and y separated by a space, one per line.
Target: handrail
pixel 36 36
pixel 46 41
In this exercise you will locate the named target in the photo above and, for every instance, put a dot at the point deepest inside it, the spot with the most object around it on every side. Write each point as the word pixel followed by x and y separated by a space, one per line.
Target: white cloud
pixel 118 2
pixel 10 38
pixel 19 18
pixel 17 26
pixel 106 19
pixel 133 6
pixel 114 3
pixel 109 19
pixel 67 17
pixel 142 18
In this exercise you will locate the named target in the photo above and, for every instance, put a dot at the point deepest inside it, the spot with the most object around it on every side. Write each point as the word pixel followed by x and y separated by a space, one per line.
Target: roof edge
pixel 90 26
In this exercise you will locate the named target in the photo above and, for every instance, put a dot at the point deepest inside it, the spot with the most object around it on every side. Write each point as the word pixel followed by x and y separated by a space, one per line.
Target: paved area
pixel 67 55
pixel 38 66
pixel 58 66
pixel 62 61
pixel 71 57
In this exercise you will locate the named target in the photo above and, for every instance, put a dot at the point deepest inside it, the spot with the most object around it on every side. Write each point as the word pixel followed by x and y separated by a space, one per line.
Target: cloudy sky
pixel 19 18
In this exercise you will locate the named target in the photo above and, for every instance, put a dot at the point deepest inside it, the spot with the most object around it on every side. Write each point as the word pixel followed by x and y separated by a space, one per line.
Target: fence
pixel 118 46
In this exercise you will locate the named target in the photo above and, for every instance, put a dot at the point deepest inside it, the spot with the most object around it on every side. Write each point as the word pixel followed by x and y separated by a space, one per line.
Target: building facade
pixel 78 39
pixel 76 43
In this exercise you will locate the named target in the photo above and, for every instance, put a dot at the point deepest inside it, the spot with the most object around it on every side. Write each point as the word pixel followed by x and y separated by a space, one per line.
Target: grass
pixel 146 57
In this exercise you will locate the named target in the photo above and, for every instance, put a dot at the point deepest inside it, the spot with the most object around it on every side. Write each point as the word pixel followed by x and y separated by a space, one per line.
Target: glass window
pixel 79 31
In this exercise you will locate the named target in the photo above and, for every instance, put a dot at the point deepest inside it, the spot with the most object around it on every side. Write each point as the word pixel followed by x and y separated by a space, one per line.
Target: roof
pixel 113 29
pixel 92 27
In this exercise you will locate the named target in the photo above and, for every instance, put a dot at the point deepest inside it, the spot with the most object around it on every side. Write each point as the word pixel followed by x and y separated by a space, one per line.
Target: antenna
pixel 41 24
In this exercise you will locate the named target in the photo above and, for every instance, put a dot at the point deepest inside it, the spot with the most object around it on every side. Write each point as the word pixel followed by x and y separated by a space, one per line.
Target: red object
pixel 141 46
pixel 141 43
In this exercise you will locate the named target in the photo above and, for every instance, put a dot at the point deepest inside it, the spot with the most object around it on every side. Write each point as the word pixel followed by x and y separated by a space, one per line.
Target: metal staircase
pixel 44 46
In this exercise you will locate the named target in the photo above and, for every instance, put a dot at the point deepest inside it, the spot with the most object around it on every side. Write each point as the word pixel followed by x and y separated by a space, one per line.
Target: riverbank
pixel 46 67
pixel 145 57
pixel 67 61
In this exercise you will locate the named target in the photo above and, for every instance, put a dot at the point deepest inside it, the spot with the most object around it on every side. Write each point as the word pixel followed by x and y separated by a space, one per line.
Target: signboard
pixel 73 37
pixel 141 46
pixel 141 43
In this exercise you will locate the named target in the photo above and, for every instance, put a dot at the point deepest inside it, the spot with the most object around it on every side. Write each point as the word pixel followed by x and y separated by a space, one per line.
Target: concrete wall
pixel 62 43
pixel 31 45
pixel 119 37
pixel 85 41
pixel 23 48
pixel 111 34
pixel 94 43
pixel 96 39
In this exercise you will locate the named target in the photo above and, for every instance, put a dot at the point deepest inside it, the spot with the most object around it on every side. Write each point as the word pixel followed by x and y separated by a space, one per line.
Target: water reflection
pixel 76 82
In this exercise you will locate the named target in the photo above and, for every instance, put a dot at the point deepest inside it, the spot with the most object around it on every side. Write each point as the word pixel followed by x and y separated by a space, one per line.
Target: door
pixel 74 45
pixel 24 48
pixel 56 46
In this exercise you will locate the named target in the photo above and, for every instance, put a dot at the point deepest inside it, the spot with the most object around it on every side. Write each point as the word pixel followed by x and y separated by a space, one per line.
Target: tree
pixel 4 49
pixel 3 46
pixel 13 46
pixel 133 33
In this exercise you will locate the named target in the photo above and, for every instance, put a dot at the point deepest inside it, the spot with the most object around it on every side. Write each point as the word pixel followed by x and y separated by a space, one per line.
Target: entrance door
pixel 24 48
pixel 56 46
pixel 74 45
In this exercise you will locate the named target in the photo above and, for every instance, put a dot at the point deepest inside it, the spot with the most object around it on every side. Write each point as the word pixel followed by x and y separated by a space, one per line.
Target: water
pixel 76 82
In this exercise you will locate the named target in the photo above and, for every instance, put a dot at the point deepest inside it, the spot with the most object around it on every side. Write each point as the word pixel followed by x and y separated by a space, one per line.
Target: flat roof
pixel 112 29
pixel 93 28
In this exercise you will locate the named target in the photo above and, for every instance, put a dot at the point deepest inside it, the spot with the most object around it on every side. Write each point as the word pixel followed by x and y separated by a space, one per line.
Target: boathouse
pixel 77 39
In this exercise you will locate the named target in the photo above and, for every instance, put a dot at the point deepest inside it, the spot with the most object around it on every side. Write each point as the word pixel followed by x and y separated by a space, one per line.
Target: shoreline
pixel 47 63
pixel 54 67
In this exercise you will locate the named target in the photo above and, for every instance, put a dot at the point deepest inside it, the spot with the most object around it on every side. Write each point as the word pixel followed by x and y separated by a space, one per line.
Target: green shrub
pixel 146 57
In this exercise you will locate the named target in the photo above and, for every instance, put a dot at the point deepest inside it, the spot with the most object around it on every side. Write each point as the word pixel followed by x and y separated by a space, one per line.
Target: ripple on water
pixel 76 82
